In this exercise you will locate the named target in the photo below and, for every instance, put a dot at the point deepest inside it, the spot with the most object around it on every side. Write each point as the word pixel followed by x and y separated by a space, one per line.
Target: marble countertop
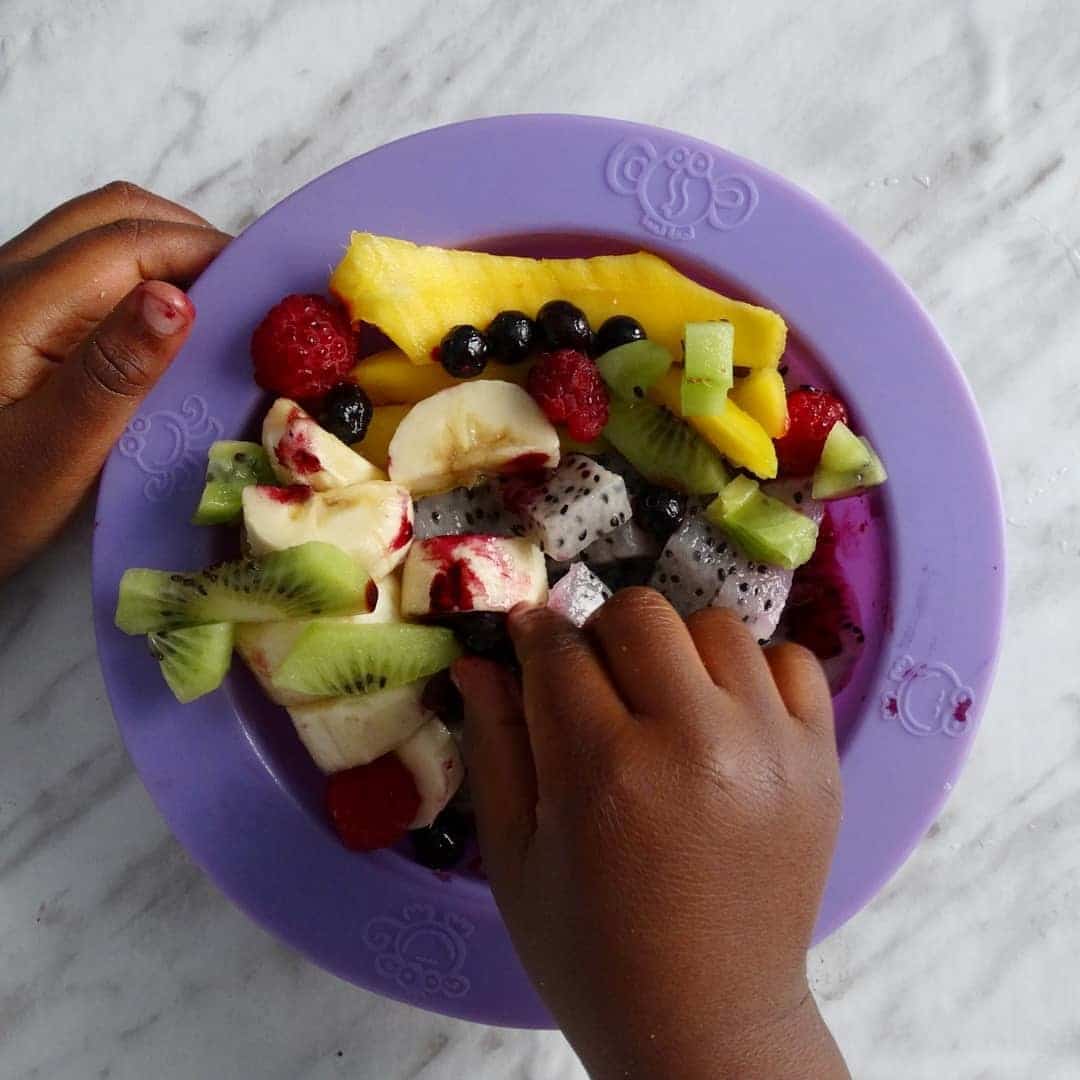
pixel 946 134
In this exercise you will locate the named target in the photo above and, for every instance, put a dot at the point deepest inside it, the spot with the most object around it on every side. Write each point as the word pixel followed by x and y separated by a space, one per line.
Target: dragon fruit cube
pixel 578 503
pixel 578 593
pixel 464 510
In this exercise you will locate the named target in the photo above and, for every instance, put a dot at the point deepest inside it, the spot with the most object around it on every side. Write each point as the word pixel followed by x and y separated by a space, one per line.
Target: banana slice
pixel 373 522
pixel 341 733
pixel 444 575
pixel 263 646
pixel 431 754
pixel 456 436
pixel 301 451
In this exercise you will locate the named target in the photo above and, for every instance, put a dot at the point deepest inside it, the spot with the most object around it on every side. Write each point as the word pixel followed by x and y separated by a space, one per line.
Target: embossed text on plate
pixel 679 189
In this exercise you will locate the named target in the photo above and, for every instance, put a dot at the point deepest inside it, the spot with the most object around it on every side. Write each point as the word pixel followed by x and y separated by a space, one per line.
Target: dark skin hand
pixel 90 318
pixel 658 838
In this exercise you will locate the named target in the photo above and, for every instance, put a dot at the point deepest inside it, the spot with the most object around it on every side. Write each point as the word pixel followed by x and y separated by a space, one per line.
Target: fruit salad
pixel 543 431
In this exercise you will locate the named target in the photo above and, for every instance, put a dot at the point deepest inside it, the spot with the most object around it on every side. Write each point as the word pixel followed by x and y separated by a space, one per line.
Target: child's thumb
pixel 57 439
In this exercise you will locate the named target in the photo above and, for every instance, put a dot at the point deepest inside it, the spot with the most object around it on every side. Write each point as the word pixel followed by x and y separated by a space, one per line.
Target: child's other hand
pixel 90 317
pixel 657 808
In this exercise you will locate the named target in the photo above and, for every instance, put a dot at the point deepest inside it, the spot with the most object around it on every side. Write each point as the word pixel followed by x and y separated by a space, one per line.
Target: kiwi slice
pixel 195 659
pixel 664 449
pixel 230 467
pixel 848 465
pixel 708 371
pixel 765 528
pixel 630 369
pixel 311 579
pixel 338 659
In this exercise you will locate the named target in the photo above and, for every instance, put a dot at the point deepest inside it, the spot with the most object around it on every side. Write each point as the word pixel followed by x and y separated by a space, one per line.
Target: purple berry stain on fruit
pixel 823 612
pixel 371 595
pixel 293 493
pixel 293 449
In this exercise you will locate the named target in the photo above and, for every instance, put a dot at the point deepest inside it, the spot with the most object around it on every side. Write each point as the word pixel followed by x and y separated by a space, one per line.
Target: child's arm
pixel 90 317
pixel 657 807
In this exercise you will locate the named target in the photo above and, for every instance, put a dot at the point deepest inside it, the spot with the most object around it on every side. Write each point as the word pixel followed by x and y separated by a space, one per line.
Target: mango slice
pixel 390 378
pixel 763 395
pixel 736 434
pixel 415 294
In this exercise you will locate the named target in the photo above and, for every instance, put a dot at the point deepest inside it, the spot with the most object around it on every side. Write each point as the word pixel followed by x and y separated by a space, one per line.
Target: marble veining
pixel 946 134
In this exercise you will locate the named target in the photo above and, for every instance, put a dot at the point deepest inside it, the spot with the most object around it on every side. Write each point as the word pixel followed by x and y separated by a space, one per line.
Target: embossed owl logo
pixel 679 190
pixel 927 698
pixel 169 447
pixel 421 951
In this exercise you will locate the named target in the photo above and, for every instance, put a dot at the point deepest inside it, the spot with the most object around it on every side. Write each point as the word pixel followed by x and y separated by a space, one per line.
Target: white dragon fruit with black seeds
pixel 477 509
pixel 578 593
pixel 629 541
pixel 701 567
pixel 580 502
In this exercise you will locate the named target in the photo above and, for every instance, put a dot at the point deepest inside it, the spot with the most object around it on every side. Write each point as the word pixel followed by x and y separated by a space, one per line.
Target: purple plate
pixel 924 557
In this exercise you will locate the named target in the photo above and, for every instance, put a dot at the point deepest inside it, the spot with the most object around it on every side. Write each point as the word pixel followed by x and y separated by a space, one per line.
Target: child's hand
pixel 88 322
pixel 657 819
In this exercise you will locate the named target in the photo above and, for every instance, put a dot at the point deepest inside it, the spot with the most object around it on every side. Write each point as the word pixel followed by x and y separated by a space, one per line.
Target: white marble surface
pixel 946 134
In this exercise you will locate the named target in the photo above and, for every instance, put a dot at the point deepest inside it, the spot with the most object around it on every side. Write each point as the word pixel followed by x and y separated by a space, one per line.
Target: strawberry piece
pixel 567 385
pixel 371 806
pixel 304 346
pixel 811 415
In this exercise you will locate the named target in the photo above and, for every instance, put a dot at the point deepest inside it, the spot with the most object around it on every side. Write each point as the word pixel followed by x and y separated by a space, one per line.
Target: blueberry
pixel 659 510
pixel 483 633
pixel 441 845
pixel 346 412
pixel 440 696
pixel 510 337
pixel 563 326
pixel 616 331
pixel 464 352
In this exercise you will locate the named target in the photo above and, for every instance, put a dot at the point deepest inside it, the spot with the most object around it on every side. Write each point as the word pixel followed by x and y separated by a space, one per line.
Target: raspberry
pixel 372 806
pixel 568 387
pixel 811 415
pixel 303 347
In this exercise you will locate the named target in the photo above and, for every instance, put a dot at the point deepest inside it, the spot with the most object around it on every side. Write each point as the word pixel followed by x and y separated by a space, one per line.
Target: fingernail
pixel 165 309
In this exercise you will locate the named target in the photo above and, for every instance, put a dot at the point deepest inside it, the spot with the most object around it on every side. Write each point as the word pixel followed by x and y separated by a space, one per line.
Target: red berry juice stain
pixel 456 586
pixel 293 448
pixel 891 706
pixel 534 462
pixel 371 595
pixel 960 711
pixel 822 612
pixel 294 493
pixel 404 534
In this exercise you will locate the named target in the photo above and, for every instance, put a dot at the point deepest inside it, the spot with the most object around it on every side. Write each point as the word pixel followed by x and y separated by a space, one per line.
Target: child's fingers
pixel 569 700
pixel 502 777
pixel 56 440
pixel 54 301
pixel 650 654
pixel 733 658
pixel 117 201
pixel 803 687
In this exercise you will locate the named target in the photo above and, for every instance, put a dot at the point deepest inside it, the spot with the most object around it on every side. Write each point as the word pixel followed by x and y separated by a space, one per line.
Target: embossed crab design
pixel 927 698
pixel 421 951
pixel 168 446
pixel 679 190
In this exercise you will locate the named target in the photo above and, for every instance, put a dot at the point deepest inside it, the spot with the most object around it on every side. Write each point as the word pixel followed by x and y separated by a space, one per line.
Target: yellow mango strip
pixel 736 434
pixel 763 395
pixel 415 294
pixel 390 378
